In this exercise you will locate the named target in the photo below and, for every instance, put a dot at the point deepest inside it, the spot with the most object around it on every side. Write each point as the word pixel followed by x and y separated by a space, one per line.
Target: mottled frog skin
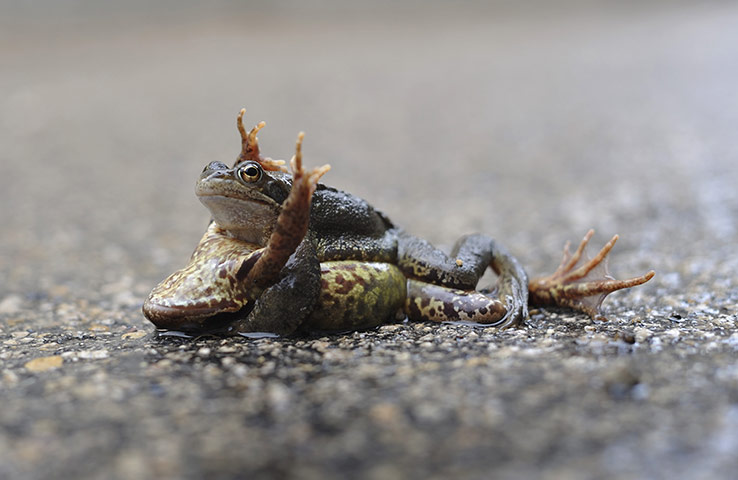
pixel 286 254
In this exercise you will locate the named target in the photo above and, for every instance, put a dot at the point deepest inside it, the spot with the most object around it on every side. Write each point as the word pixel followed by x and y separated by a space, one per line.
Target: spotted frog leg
pixel 442 288
pixel 581 287
pixel 189 297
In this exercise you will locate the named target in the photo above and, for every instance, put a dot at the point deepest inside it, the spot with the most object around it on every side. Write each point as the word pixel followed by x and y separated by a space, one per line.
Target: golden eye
pixel 250 172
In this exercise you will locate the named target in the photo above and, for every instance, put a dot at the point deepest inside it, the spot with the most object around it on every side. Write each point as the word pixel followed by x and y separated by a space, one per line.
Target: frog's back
pixel 346 227
pixel 335 212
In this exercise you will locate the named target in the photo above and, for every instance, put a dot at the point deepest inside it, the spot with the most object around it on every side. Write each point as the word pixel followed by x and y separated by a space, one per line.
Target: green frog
pixel 285 254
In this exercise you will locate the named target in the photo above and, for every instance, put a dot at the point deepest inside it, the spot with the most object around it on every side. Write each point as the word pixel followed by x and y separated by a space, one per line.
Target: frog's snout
pixel 216 165
pixel 214 170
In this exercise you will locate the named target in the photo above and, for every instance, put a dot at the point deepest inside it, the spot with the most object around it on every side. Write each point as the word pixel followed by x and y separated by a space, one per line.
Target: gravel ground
pixel 531 125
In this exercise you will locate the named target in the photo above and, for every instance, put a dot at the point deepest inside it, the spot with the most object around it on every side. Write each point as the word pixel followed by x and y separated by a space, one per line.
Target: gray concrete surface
pixel 529 124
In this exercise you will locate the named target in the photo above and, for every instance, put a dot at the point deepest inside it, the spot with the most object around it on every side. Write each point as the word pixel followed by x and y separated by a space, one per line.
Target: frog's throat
pixel 248 220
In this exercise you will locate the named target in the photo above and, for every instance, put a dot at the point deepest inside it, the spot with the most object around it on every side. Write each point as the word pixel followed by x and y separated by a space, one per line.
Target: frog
pixel 285 254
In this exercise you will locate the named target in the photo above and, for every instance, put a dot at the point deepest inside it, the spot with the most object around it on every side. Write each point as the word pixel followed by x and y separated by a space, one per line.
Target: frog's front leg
pixel 286 277
pixel 442 287
pixel 291 226
pixel 584 287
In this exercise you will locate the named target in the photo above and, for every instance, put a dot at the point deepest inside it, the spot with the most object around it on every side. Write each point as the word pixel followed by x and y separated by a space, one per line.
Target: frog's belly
pixel 356 295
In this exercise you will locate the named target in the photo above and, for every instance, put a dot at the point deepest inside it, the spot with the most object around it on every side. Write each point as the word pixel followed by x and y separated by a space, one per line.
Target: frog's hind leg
pixel 435 303
pixel 460 272
pixel 581 287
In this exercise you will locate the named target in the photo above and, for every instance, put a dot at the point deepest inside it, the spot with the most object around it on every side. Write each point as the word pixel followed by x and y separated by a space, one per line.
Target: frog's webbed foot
pixel 581 287
pixel 250 147
pixel 296 207
pixel 302 179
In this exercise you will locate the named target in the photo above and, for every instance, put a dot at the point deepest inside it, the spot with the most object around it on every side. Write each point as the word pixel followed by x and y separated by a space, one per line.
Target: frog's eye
pixel 250 172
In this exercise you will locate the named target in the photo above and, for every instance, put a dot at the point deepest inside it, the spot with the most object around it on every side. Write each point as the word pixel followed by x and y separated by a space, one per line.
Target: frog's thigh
pixel 356 295
pixel 430 302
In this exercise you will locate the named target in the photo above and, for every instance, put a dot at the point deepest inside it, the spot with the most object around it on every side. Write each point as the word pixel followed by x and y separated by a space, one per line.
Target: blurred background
pixel 531 122
pixel 528 122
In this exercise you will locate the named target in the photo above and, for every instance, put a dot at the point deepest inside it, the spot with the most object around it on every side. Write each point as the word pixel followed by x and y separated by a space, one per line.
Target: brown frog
pixel 284 253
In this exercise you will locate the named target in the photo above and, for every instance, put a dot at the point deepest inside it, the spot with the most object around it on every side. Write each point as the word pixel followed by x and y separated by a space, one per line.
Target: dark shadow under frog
pixel 285 254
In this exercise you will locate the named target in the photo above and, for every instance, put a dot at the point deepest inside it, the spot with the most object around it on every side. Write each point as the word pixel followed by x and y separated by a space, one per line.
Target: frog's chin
pixel 248 220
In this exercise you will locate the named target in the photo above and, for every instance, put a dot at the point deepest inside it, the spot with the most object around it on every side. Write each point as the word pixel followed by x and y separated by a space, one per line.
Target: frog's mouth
pixel 213 186
pixel 224 198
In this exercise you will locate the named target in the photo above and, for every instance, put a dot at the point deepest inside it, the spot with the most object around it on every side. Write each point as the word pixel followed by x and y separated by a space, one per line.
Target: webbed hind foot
pixel 583 287
pixel 250 147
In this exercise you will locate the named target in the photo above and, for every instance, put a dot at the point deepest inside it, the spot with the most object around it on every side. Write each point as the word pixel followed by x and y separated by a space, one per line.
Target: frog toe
pixel 250 147
pixel 517 312
pixel 581 287
pixel 303 179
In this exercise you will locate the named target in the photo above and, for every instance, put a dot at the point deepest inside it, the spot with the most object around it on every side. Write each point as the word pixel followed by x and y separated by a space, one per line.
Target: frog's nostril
pixel 215 166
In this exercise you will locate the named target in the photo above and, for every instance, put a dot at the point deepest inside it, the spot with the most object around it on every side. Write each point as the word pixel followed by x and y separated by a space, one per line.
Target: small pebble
pixel 628 337
pixel 134 335
pixel 93 354
pixel 43 364
pixel 642 334
pixel 11 304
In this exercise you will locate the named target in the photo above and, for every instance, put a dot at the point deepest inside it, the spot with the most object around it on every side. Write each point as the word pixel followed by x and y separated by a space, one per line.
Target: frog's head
pixel 244 200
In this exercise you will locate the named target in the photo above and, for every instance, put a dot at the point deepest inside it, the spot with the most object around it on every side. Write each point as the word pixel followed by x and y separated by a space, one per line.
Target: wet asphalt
pixel 529 124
